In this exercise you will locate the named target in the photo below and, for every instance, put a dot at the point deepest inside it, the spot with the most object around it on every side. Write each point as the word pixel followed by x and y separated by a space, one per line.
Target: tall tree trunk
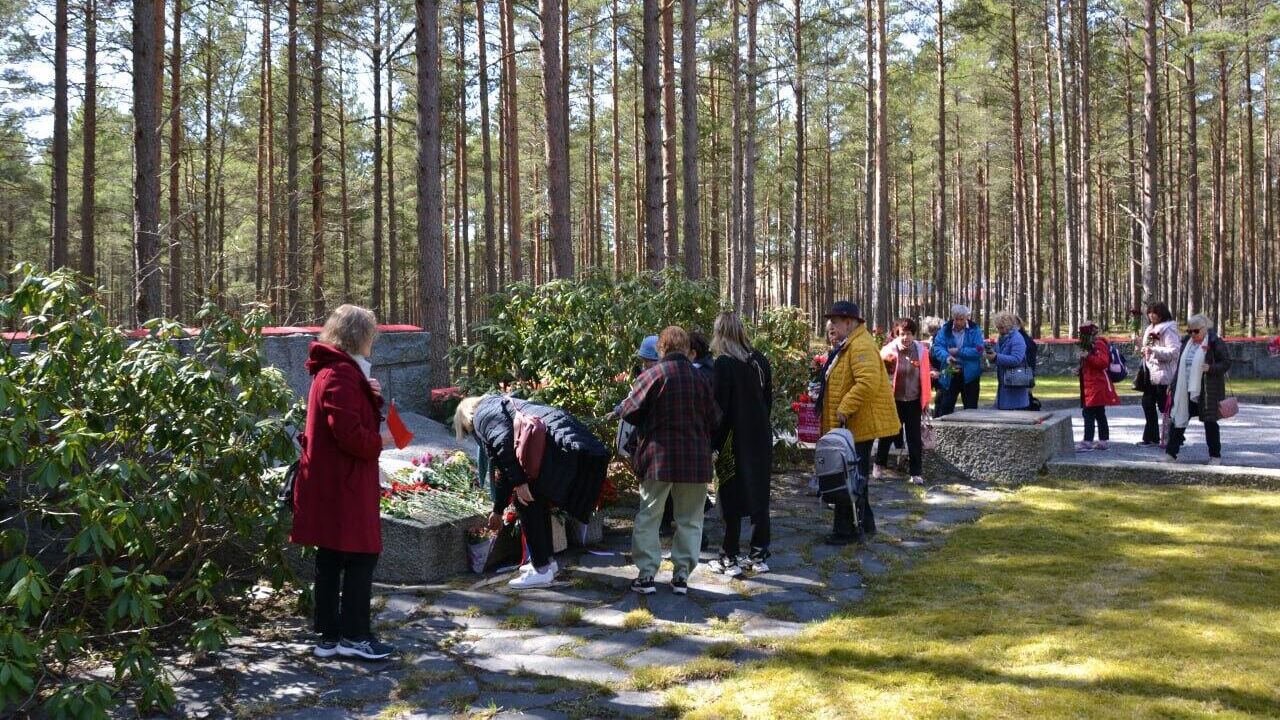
pixel 395 283
pixel 735 182
pixel 1150 154
pixel 317 162
pixel 1268 289
pixel 490 259
pixel 1070 197
pixel 60 246
pixel 148 79
pixel 461 209
pixel 514 216
pixel 749 168
pixel 435 309
pixel 619 240
pixel 1249 278
pixel 940 246
pixel 88 196
pixel 377 160
pixel 670 229
pixel 1220 300
pixel 689 101
pixel 652 139
pixel 715 226
pixel 342 176
pixel 1019 219
pixel 263 197
pixel 175 153
pixel 868 243
pixel 1195 292
pixel 883 271
pixel 204 281
pixel 797 194
pixel 1085 137
pixel 557 148
pixel 291 178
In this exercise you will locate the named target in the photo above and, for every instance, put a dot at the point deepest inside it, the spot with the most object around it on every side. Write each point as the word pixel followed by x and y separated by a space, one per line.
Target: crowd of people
pixel 698 414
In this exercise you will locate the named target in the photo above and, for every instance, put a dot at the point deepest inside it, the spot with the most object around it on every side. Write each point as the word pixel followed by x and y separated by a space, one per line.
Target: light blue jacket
pixel 1011 352
pixel 969 344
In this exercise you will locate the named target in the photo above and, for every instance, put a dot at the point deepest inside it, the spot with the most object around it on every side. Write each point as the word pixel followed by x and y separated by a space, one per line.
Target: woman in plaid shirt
pixel 675 415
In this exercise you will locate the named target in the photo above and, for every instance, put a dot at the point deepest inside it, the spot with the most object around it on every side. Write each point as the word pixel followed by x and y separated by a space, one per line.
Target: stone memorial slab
pixel 1004 446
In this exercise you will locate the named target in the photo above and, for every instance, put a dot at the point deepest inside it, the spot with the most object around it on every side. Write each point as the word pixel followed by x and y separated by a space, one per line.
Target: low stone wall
pixel 1249 359
pixel 401 362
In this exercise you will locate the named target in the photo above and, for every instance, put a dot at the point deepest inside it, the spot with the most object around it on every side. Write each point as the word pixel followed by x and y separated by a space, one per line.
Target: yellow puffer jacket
pixel 858 388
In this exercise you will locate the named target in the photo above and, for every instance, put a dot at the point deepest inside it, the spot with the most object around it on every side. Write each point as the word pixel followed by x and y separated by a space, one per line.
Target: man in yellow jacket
pixel 856 394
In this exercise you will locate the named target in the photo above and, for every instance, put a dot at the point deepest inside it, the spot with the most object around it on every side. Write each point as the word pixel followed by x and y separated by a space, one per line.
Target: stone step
pixel 1157 473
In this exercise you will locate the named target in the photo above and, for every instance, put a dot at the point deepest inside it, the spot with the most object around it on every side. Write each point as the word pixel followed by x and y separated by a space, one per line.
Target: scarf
pixel 1190 381
pixel 366 367
pixel 826 372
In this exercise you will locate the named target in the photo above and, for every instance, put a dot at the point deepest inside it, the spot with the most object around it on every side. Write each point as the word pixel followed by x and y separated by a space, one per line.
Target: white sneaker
pixel 1084 446
pixel 877 472
pixel 1214 461
pixel 1167 458
pixel 726 565
pixel 1100 445
pixel 555 568
pixel 917 480
pixel 533 579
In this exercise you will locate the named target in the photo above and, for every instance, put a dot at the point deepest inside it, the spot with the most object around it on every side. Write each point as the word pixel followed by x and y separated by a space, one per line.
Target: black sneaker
pixel 365 649
pixel 758 561
pixel 839 540
pixel 680 586
pixel 325 648
pixel 644 586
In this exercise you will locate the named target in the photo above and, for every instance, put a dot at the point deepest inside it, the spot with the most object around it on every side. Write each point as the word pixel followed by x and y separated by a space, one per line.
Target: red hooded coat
pixel 1096 388
pixel 336 496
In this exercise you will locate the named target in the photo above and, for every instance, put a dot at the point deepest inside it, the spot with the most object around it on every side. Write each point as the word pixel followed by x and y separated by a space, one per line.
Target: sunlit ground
pixel 1075 601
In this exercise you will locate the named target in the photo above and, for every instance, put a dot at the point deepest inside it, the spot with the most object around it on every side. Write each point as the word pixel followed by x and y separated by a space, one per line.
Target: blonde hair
pixel 673 339
pixel 350 328
pixel 464 418
pixel 1005 318
pixel 730 337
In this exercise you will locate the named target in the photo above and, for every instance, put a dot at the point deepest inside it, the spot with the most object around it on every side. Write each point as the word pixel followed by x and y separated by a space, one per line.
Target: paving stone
pixel 630 703
pixel 534 714
pixel 546 613
pixel 676 608
pixel 201 698
pixel 743 609
pixel 870 564
pixel 822 552
pixel 529 644
pixel 316 713
pixel 851 595
pixel 811 610
pixel 520 701
pixel 612 646
pixel 460 602
pixel 569 668
pixel 563 593
pixel 763 627
pixel 365 688
pixel 677 652
pixel 711 586
pixel 843 580
pixel 399 608
pixel 430 661
pixel 279 681
pixel 613 576
pixel 437 694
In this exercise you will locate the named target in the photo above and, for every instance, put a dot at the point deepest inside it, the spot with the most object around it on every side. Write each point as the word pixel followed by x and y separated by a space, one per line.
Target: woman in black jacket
pixel 744 392
pixel 1200 386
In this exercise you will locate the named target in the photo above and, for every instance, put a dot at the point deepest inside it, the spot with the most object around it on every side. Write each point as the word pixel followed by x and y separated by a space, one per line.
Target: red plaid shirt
pixel 675 415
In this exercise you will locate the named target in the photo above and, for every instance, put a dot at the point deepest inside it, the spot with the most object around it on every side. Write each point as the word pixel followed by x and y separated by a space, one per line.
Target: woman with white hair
pixel 1201 385
pixel 1009 353
pixel 957 354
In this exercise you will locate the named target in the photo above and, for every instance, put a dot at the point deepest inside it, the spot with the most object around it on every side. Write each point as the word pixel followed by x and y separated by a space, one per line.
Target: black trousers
pixel 1096 415
pixel 909 412
pixel 535 522
pixel 760 533
pixel 844 522
pixel 1212 436
pixel 967 392
pixel 343 589
pixel 1153 399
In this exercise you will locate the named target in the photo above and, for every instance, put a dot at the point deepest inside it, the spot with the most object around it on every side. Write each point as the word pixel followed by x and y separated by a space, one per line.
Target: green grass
pixel 519 622
pixel 636 619
pixel 1070 601
pixel 1059 387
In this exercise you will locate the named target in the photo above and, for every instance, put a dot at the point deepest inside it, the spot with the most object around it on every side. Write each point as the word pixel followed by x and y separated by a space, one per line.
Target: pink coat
pixel 889 353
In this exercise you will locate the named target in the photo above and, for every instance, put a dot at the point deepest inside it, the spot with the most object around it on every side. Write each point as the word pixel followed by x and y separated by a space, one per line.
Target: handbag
pixel 531 443
pixel 1228 407
pixel 928 436
pixel 1142 381
pixel 1019 377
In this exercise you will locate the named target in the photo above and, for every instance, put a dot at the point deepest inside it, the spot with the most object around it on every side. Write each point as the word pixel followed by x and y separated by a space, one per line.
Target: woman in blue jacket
pixel 957 354
pixel 1009 352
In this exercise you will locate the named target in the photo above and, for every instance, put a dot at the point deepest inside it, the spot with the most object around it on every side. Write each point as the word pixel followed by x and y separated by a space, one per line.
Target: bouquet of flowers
pixel 479 541
pixel 436 485
pixel 1273 347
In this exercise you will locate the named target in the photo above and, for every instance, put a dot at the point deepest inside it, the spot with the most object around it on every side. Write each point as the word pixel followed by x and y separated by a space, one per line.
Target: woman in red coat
pixel 1096 389
pixel 336 495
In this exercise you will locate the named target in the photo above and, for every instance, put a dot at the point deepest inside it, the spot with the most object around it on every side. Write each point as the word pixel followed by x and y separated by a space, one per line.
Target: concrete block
pixel 1008 447
pixel 422 550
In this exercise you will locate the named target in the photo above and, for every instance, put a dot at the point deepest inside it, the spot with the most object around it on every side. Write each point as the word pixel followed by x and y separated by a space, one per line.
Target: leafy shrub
pixel 782 335
pixel 135 493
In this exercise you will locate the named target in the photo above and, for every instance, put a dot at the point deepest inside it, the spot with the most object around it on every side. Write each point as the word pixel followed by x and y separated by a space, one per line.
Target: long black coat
pixel 1213 389
pixel 574 465
pixel 744 392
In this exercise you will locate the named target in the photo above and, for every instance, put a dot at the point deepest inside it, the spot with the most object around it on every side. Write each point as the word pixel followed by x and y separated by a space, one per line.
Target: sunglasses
pixel 1195 331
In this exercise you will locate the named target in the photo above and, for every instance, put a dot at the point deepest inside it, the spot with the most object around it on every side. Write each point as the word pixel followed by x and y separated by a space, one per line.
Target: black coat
pixel 1213 388
pixel 744 392
pixel 574 465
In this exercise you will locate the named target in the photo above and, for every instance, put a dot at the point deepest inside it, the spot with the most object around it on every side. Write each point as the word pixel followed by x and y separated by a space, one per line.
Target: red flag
pixel 398 430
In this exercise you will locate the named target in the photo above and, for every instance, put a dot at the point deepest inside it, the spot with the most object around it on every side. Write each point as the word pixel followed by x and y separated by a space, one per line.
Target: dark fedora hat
pixel 845 309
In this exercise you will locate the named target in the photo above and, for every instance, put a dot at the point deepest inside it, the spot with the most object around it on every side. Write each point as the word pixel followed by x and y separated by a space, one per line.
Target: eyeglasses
pixel 1195 331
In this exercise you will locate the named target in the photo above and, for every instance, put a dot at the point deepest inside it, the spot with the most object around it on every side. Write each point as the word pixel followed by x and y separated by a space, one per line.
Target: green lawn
pixel 1075 601
pixel 1051 387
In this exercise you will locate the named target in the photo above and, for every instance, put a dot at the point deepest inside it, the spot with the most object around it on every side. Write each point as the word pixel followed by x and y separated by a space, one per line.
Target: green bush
pixel 571 343
pixel 135 494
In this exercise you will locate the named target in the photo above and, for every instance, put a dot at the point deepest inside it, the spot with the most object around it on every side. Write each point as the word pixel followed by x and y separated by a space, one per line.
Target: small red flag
pixel 398 430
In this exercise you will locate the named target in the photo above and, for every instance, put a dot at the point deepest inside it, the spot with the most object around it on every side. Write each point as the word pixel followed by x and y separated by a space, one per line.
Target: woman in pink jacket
pixel 907 361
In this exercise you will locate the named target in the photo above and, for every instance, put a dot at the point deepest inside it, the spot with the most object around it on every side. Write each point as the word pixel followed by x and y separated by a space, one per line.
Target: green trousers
pixel 646 548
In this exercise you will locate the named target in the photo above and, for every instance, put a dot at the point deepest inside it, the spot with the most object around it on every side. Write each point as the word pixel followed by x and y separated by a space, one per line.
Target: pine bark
pixel 797 192
pixel 60 246
pixel 557 136
pixel 654 249
pixel 884 278
pixel 377 289
pixel 263 197
pixel 670 230
pixel 1195 293
pixel 293 228
pixel 434 302
pixel 512 142
pixel 1150 154
pixel 175 159
pixel 689 101
pixel 619 240
pixel 749 167
pixel 148 78
pixel 88 192
pixel 940 246
pixel 490 258
pixel 317 162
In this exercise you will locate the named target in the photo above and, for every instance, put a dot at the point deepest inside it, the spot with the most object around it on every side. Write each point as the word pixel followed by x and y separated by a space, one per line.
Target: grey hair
pixel 1004 317
pixel 1199 320
pixel 350 328
pixel 958 310
pixel 730 337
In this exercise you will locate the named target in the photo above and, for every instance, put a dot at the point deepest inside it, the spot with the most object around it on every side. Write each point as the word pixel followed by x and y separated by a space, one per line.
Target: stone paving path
pixel 586 647
pixel 1248 439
